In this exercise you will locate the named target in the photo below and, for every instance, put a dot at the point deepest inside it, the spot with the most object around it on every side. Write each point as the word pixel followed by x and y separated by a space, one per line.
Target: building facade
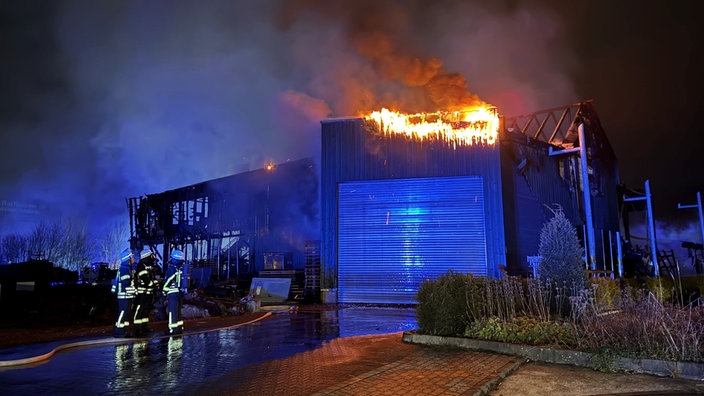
pixel 396 210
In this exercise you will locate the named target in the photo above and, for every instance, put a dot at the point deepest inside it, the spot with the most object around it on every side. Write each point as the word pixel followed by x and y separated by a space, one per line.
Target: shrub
pixel 561 252
pixel 441 305
pixel 523 330
pixel 607 292
pixel 642 326
pixel 603 319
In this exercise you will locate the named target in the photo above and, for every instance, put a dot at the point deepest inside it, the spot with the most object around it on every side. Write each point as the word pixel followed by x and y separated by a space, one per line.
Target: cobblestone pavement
pixel 366 365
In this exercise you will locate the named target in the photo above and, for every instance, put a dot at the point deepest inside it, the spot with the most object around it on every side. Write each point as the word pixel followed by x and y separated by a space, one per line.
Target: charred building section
pixel 234 226
pixel 542 172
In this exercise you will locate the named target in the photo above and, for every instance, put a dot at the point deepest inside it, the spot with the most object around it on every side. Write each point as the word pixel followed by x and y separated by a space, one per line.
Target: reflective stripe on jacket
pixel 125 288
pixel 173 280
pixel 145 279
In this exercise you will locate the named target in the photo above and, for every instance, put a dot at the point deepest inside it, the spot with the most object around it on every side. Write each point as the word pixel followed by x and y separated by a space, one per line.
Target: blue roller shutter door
pixel 393 234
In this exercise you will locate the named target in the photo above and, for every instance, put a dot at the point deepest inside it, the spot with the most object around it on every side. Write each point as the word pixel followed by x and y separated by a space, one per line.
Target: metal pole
pixel 611 252
pixel 219 250
pixel 603 247
pixel 701 218
pixel 699 210
pixel 586 191
pixel 651 229
pixel 619 253
pixel 584 238
pixel 651 225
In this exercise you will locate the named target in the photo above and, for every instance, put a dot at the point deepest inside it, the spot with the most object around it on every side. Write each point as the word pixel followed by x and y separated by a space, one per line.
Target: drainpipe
pixel 586 190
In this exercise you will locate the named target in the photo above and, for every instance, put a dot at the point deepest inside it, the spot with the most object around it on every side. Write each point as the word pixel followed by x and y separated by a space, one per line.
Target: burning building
pixel 406 198
pixel 403 198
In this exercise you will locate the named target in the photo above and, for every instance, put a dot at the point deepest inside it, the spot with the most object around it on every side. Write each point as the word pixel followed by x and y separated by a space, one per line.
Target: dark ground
pixel 49 329
pixel 379 364
pixel 79 311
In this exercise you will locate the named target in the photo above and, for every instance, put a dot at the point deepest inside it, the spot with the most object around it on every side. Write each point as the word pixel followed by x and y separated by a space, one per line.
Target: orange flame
pixel 476 126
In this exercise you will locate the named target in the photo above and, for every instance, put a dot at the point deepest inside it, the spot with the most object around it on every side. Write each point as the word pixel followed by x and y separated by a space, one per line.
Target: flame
pixel 467 127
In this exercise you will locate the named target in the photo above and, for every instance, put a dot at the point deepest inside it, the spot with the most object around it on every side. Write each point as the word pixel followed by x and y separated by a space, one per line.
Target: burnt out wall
pixel 532 186
pixel 271 209
pixel 534 181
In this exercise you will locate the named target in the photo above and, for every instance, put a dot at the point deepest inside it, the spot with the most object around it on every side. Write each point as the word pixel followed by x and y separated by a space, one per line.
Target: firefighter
pixel 124 289
pixel 173 288
pixel 145 285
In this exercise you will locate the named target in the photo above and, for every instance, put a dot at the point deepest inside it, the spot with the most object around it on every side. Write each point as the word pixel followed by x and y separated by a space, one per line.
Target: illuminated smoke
pixel 119 99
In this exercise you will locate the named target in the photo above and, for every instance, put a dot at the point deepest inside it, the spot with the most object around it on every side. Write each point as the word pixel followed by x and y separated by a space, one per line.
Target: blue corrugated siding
pixel 393 234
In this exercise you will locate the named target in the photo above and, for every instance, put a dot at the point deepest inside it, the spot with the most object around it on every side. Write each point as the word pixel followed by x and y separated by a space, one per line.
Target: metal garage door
pixel 393 234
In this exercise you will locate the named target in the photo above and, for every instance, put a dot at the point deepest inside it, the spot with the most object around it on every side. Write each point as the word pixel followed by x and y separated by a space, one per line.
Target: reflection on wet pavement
pixel 164 365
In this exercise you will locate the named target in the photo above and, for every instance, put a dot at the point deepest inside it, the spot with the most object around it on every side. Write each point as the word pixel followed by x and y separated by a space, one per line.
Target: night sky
pixel 106 100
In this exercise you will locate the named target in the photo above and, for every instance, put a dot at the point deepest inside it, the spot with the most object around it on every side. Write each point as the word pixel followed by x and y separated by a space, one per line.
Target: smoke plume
pixel 110 100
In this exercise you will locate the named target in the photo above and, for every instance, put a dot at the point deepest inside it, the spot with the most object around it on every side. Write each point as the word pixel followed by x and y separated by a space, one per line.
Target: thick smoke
pixel 112 100
pixel 423 56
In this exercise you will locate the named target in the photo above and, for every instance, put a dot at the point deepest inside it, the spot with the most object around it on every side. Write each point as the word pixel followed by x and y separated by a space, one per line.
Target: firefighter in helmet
pixel 124 289
pixel 174 286
pixel 145 285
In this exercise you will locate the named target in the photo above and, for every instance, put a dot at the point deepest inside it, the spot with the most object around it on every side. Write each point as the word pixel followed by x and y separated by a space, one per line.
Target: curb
pixel 661 368
pixel 493 383
pixel 111 341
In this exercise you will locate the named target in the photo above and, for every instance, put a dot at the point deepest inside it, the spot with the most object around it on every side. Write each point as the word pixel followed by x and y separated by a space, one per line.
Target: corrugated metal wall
pixel 394 234
pixel 351 151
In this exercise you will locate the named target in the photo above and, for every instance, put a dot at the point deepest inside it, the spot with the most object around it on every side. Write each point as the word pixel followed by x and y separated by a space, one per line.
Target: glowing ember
pixel 476 126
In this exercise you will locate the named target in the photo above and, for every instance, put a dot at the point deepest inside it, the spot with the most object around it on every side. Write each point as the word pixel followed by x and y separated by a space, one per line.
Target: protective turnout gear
pixel 145 285
pixel 174 281
pixel 125 291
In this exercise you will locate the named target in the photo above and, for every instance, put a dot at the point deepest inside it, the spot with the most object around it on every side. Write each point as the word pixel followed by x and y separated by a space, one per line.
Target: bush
pixel 607 292
pixel 604 319
pixel 441 305
pixel 561 253
pixel 523 330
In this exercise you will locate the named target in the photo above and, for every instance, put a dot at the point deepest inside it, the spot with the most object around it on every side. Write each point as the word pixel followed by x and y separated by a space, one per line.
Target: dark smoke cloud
pixel 108 100
pixel 425 56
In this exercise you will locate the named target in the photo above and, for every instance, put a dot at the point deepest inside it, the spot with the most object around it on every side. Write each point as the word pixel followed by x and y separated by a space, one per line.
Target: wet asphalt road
pixel 165 365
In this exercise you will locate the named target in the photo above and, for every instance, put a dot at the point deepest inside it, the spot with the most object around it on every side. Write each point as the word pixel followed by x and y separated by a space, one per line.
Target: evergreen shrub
pixel 561 254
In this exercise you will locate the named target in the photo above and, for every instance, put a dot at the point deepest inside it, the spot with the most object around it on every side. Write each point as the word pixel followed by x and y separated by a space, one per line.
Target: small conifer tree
pixel 561 252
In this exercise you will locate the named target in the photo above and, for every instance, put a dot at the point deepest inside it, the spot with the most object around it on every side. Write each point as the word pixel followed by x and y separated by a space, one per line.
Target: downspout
pixel 586 190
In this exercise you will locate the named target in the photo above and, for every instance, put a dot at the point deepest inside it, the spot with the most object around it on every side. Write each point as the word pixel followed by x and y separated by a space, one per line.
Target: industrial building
pixel 398 209
pixel 383 212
